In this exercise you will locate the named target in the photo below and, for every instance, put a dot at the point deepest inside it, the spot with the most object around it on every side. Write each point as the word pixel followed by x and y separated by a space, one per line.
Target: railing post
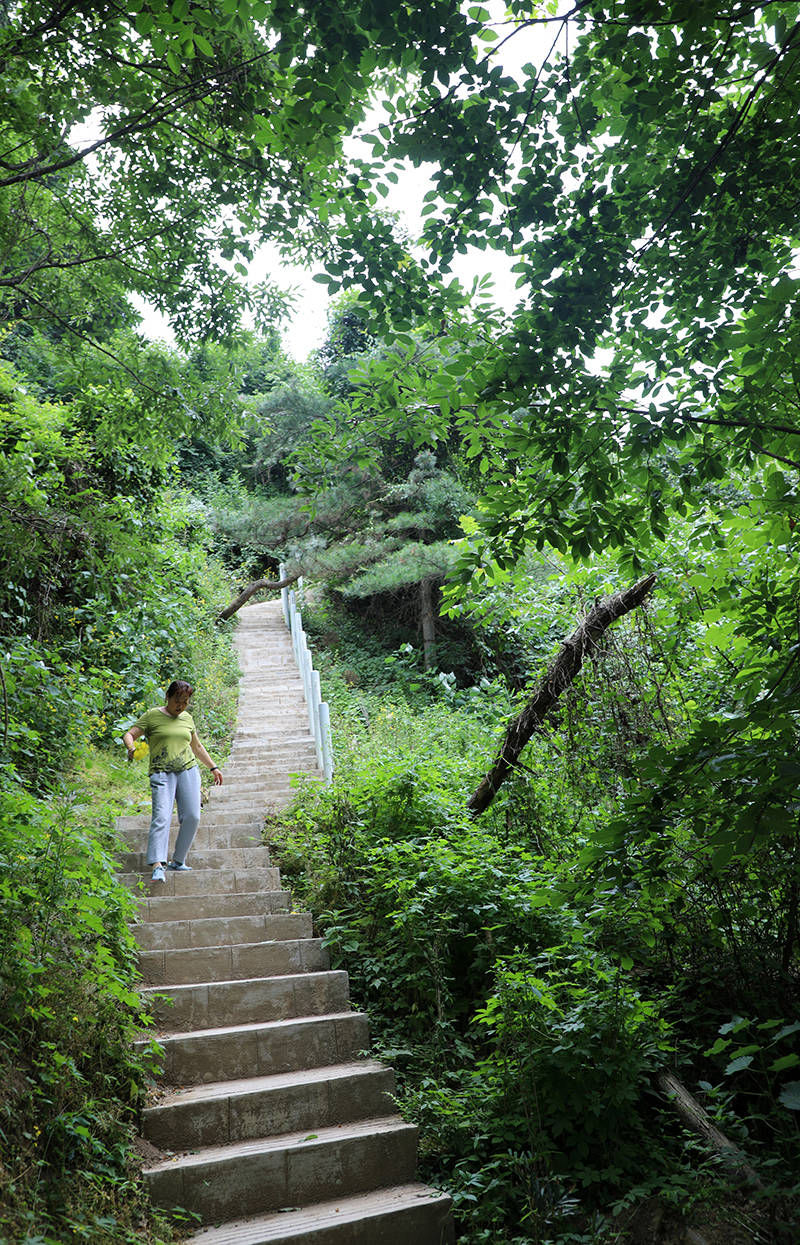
pixel 327 746
pixel 298 631
pixel 284 595
pixel 292 612
pixel 316 697
pixel 319 719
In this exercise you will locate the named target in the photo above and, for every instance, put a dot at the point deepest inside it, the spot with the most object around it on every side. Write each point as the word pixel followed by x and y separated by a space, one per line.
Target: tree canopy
pixel 644 178
pixel 156 145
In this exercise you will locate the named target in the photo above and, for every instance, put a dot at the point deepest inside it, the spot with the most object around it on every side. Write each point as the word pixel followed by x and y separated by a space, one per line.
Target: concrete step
pixel 296 1169
pixel 284 743
pixel 236 858
pixel 203 882
pixel 235 1051
pixel 244 793
pixel 402 1215
pixel 254 789
pixel 229 1111
pixel 247 960
pixel 248 771
pixel 212 1005
pixel 210 836
pixel 280 740
pixel 276 768
pixel 287 734
pixel 252 771
pixel 223 930
pixel 189 907
pixel 242 812
pixel 272 762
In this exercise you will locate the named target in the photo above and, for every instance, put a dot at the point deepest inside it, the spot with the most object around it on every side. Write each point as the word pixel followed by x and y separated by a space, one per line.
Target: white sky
pixel 305 330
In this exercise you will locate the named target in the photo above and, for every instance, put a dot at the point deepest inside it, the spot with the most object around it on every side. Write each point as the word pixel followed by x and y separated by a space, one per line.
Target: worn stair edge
pixel 233 963
pixel 155 908
pixel 216 931
pixel 203 882
pixel 402 1215
pixel 240 1110
pixel 204 858
pixel 233 1051
pixel 208 1005
pixel 295 1169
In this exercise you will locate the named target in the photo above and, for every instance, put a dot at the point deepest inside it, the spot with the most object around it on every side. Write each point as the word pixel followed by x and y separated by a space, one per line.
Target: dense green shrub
pixel 69 1078
pixel 526 981
pixel 104 596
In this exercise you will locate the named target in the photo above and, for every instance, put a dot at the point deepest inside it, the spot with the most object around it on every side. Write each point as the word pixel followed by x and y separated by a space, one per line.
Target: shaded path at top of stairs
pixel 271 1122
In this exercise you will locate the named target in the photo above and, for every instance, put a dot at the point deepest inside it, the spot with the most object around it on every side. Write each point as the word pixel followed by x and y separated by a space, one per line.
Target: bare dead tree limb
pixel 258 585
pixel 561 673
pixel 697 1119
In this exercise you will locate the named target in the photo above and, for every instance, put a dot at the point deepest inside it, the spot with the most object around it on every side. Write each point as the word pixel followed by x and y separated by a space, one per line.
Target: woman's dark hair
pixel 178 687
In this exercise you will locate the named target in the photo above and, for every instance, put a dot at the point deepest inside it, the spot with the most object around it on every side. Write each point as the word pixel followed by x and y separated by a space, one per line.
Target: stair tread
pixel 299 1221
pixel 235 1150
pixel 215 1090
pixel 224 946
pixel 251 1027
pixel 206 922
pixel 240 982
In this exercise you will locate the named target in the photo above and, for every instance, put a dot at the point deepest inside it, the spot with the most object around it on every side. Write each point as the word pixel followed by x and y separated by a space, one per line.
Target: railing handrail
pixel 319 717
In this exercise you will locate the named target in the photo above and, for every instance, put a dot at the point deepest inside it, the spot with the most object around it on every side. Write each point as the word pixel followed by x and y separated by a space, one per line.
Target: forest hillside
pixel 549 560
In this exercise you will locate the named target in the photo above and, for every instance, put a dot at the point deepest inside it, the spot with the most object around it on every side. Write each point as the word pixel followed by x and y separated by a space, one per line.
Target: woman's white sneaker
pixel 158 874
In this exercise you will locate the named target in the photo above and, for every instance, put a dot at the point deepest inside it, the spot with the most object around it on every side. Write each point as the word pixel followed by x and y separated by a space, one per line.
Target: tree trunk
pixel 561 673
pixel 259 585
pixel 428 623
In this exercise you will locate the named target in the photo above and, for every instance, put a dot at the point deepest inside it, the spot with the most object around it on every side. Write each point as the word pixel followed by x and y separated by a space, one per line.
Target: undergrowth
pixel 526 1011
pixel 70 1079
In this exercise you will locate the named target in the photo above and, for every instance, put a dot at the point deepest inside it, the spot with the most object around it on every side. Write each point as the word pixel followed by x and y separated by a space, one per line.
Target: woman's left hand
pixel 216 774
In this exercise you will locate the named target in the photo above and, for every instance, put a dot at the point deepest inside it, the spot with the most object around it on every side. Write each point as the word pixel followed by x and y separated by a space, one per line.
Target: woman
pixel 174 773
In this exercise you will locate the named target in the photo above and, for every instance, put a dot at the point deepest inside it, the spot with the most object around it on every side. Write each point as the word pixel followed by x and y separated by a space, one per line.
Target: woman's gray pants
pixel 165 789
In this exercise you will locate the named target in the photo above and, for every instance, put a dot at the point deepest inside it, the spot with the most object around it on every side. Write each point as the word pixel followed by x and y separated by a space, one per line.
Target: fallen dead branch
pixel 561 673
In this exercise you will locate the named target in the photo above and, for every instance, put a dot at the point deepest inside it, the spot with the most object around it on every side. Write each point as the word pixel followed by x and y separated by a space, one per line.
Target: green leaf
pixel 790 1096
pixel 786 1061
pixel 739 1064
pixel 733 1026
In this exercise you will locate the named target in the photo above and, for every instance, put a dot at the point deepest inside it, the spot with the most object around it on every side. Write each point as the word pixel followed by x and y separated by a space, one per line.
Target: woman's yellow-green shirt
pixel 169 740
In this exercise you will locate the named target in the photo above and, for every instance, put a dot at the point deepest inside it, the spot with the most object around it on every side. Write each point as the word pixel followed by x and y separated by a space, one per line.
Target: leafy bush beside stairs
pixel 70 1082
pixel 524 1049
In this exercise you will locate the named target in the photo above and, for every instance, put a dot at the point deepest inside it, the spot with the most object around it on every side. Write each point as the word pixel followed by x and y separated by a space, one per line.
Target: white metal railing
pixel 319 717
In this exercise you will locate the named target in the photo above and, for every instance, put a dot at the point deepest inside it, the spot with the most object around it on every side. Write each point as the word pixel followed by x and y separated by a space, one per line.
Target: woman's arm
pixel 129 739
pixel 201 754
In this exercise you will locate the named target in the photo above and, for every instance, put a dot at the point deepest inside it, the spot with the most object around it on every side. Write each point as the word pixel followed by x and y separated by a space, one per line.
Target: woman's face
pixel 177 703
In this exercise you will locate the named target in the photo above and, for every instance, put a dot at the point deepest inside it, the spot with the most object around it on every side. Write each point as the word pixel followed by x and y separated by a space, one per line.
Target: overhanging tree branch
pixel 259 585
pixel 178 99
pixel 561 673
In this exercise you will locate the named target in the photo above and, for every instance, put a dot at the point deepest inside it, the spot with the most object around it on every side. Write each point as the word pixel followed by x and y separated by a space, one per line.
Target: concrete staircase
pixel 272 1124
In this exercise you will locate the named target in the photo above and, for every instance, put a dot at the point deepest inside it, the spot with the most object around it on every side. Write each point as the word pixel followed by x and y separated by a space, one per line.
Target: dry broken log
pixel 561 673
pixel 259 585
pixel 696 1118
